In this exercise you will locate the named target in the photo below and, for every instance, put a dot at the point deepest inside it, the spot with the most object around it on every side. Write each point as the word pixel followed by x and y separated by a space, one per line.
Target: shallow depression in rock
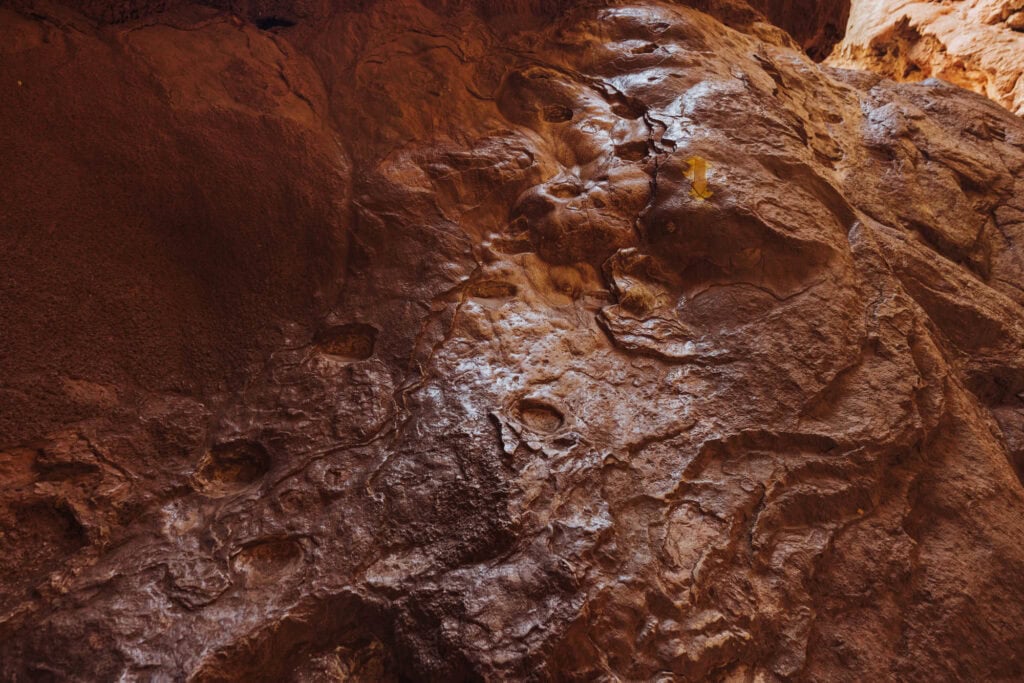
pixel 353 341
pixel 539 416
pixel 231 466
pixel 268 560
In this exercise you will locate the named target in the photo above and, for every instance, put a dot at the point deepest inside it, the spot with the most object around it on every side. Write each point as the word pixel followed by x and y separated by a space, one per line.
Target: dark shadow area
pixel 817 26
pixel 267 23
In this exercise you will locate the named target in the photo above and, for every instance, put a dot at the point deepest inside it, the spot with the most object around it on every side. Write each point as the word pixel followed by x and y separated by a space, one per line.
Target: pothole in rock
pixel 565 190
pixel 557 113
pixel 231 466
pixel 539 416
pixel 353 341
pixel 632 151
pixel 269 560
pixel 493 289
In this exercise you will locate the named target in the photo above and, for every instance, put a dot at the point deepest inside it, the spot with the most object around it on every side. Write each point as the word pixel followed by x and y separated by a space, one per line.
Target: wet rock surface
pixel 436 341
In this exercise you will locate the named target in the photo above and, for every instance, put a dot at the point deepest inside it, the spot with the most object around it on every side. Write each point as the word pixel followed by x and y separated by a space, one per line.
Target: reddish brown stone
pixel 395 340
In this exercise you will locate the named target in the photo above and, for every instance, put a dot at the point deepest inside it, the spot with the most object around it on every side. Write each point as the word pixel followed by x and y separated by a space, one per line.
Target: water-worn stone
pixel 502 340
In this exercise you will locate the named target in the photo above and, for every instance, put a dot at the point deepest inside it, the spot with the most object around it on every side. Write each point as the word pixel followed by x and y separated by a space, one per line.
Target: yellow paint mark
pixel 698 173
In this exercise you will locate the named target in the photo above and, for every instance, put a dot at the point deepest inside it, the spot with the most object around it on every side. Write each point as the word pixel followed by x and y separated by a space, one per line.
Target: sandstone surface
pixel 505 340
pixel 976 44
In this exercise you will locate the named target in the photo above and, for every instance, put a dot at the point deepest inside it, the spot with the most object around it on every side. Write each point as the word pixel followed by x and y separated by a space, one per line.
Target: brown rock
pixel 528 341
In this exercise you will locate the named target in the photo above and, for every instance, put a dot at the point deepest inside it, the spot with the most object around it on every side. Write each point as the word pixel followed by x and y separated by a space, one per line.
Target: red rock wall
pixel 169 205
pixel 447 341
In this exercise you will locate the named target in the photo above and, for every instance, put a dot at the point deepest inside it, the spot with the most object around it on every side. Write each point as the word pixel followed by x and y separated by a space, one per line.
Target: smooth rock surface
pixel 405 342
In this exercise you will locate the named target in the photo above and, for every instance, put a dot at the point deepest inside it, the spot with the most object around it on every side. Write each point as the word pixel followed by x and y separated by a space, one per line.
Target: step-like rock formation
pixel 504 340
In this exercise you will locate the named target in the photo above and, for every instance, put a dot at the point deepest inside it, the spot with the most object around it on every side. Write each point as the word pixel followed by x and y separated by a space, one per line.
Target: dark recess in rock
pixel 267 23
pixel 817 26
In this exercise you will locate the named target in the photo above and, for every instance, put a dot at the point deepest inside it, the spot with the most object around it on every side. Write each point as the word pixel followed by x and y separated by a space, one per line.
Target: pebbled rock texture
pixel 976 44
pixel 528 341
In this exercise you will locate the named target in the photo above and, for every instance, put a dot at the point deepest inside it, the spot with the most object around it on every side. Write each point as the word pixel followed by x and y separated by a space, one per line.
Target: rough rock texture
pixel 976 44
pixel 398 343
pixel 816 26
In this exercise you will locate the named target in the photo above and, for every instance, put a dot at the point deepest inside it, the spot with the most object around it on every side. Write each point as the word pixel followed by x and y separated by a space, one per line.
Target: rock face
pixel 816 26
pixel 529 341
pixel 977 44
